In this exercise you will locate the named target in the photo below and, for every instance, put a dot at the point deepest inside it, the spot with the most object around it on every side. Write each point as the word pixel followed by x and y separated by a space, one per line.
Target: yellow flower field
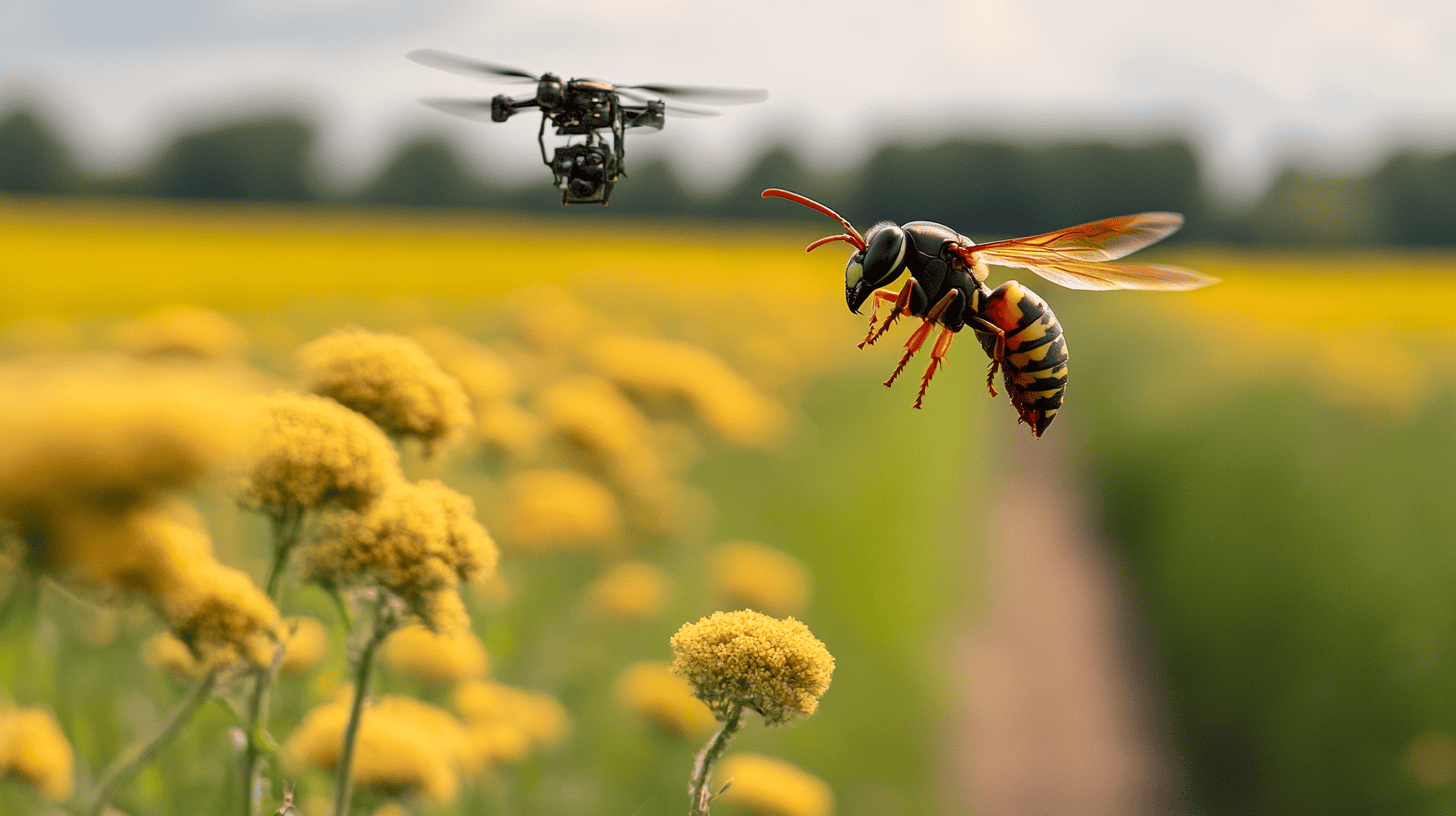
pixel 640 413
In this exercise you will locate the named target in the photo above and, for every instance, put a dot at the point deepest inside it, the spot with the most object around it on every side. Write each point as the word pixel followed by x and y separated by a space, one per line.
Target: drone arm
pixel 503 107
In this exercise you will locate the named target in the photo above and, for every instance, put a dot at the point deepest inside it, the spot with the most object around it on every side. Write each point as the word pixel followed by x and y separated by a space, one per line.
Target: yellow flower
pixel 108 434
pixel 164 651
pixel 506 723
pixel 155 549
pixel 33 749
pixel 651 691
pixel 559 510
pixel 553 321
pixel 668 370
pixel 415 541
pixel 747 659
pixel 511 430
pixel 629 590
pixel 435 658
pixel 181 331
pixel 760 577
pixel 391 380
pixel 314 453
pixel 472 551
pixel 486 377
pixel 403 746
pixel 772 787
pixel 222 615
pixel 305 644
pixel 593 415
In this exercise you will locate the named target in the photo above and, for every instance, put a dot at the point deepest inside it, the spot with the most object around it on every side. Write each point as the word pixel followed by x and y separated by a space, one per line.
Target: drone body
pixel 946 286
pixel 598 111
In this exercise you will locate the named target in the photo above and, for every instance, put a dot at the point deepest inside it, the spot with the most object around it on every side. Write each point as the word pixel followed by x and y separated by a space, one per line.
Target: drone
pixel 601 112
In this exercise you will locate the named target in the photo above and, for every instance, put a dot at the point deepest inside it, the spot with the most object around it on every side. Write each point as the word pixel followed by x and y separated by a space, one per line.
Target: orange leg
pixel 902 306
pixel 998 352
pixel 918 338
pixel 875 299
pixel 937 354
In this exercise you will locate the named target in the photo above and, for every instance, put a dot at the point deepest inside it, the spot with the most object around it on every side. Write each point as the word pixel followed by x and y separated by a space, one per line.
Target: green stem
pixel 257 712
pixel 699 793
pixel 126 766
pixel 343 783
pixel 287 526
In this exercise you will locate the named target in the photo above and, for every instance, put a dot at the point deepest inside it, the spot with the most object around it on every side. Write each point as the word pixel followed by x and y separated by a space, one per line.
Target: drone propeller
pixel 706 94
pixel 684 110
pixel 455 64
pixel 675 108
pixel 469 108
pixel 479 109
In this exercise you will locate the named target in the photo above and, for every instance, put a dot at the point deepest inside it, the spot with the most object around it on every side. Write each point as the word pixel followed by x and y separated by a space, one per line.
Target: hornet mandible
pixel 946 286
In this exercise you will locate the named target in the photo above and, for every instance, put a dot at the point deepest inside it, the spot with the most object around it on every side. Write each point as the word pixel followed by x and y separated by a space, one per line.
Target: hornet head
pixel 876 262
pixel 880 262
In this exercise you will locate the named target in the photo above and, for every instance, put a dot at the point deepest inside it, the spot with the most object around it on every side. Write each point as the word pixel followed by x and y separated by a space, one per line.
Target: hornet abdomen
pixel 1034 365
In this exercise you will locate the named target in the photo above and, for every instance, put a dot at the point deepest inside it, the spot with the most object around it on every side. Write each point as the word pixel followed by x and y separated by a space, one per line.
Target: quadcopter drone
pixel 584 171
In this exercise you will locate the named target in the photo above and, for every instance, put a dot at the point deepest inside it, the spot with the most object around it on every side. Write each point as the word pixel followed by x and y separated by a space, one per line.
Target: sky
pixel 1253 84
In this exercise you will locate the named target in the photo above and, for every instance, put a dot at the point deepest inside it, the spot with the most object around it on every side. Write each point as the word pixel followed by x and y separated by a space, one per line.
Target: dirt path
pixel 1058 717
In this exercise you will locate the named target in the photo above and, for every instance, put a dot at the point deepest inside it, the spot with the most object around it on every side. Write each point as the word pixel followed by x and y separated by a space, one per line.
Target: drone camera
pixel 584 173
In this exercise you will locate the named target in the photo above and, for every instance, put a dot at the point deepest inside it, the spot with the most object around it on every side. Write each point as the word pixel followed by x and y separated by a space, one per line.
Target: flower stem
pixel 126 766
pixel 699 792
pixel 252 728
pixel 343 783
pixel 287 526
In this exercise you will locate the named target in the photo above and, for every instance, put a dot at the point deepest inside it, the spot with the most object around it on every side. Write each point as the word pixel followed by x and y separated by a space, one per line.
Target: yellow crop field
pixel 61 259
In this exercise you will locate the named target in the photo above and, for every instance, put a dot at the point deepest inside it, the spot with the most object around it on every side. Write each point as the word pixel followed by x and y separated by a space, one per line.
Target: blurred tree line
pixel 983 186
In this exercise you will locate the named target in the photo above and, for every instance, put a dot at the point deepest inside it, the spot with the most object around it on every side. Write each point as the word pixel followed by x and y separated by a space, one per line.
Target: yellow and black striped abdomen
pixel 1035 366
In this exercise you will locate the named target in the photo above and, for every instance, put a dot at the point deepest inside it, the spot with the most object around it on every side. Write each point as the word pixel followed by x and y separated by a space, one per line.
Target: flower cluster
pixel 669 370
pixel 417 540
pixel 106 435
pixel 435 658
pixel 181 331
pixel 312 453
pixel 391 380
pixel 629 591
pixel 772 787
pixel 559 509
pixel 305 643
pixel 33 749
pixel 403 747
pixel 505 724
pixel 651 691
pixel 746 659
pixel 760 577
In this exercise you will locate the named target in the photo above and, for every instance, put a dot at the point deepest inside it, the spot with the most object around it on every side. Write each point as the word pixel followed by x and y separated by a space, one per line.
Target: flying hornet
pixel 1016 328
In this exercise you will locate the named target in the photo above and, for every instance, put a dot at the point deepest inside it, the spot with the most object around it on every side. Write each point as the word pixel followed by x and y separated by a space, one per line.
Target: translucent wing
pixel 1073 257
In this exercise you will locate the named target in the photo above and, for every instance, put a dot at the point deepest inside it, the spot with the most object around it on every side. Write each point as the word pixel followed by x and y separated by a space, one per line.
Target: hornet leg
pixel 937 353
pixel 902 306
pixel 998 353
pixel 918 338
pixel 875 299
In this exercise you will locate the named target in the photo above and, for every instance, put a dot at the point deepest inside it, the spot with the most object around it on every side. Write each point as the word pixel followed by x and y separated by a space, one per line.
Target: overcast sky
pixel 1253 83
